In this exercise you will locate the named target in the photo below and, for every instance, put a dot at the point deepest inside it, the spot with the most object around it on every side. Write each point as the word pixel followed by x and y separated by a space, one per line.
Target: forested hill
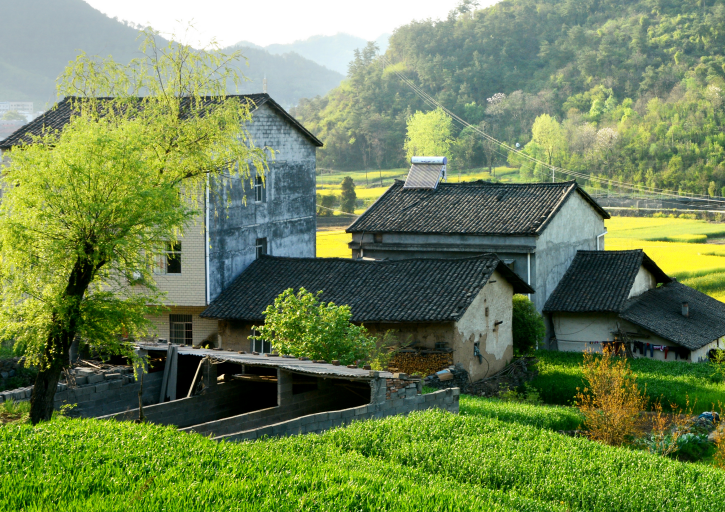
pixel 635 88
pixel 39 37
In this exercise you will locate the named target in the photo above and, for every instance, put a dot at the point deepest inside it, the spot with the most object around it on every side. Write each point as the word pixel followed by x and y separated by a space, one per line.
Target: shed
pixel 463 304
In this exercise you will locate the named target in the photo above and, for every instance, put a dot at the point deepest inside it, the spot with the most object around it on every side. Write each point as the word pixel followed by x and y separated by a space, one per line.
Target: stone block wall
pixel 316 423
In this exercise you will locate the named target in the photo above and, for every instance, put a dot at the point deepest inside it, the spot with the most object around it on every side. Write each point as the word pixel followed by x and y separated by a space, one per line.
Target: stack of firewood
pixel 421 362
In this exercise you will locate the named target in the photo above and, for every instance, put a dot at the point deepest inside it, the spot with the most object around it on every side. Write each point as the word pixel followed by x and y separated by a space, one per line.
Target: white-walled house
pixel 624 294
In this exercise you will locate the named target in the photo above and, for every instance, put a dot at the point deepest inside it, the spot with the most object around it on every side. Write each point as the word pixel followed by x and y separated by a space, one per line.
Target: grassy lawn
pixel 427 461
pixel 673 382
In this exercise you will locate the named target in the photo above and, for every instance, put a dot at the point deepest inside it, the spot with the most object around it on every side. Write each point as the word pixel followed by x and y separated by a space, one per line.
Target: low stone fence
pixel 14 374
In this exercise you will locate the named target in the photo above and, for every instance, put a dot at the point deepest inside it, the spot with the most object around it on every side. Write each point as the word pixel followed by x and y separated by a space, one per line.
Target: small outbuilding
pixel 463 304
pixel 624 296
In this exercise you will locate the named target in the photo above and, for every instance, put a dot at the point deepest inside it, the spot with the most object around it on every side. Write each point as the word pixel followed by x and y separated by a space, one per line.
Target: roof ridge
pixel 480 257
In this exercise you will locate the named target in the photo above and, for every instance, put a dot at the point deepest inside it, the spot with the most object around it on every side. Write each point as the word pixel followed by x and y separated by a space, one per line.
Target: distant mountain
pixel 334 52
pixel 39 38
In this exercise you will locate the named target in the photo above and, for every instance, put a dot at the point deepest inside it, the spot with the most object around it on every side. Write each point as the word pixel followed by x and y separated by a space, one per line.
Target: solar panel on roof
pixel 424 176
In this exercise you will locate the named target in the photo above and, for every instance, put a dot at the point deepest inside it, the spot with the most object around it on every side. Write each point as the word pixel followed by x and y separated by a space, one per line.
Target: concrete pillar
pixel 173 363
pixel 378 390
pixel 284 388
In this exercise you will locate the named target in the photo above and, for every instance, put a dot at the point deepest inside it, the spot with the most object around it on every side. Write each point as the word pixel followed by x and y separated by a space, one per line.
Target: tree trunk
pixel 56 355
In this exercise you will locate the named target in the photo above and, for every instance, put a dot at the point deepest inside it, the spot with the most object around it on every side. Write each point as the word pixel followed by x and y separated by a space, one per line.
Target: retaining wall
pixel 446 399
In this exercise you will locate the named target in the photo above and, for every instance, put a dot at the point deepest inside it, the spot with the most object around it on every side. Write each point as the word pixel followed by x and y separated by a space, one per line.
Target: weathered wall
pixel 286 219
pixel 700 355
pixel 478 324
pixel 234 335
pixel 575 332
pixel 643 282
pixel 316 423
pixel 575 227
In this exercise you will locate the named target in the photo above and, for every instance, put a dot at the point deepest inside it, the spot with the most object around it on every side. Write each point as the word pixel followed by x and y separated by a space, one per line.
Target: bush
pixel 348 196
pixel 302 326
pixel 527 325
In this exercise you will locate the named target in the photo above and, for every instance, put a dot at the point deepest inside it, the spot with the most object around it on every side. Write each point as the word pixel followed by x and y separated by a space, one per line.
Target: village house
pixel 535 228
pixel 625 296
pixel 278 218
pixel 464 304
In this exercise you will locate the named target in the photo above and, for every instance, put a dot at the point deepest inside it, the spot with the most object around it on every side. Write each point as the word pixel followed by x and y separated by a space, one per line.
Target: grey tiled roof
pixel 58 116
pixel 660 311
pixel 600 281
pixel 416 290
pixel 469 208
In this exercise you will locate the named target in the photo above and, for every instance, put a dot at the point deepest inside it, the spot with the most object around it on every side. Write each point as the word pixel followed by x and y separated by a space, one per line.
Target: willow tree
pixel 86 207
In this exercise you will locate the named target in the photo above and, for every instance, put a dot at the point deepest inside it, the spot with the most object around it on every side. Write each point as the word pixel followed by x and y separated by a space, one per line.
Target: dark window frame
pixel 179 324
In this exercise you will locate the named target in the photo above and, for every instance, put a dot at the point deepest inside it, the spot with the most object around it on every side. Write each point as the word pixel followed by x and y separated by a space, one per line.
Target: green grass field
pixel 672 382
pixel 427 461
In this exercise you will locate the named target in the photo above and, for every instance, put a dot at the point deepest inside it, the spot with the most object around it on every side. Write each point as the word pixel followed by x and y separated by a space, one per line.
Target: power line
pixel 637 188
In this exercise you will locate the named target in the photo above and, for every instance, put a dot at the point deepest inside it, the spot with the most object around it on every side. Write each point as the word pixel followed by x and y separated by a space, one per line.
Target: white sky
pixel 275 21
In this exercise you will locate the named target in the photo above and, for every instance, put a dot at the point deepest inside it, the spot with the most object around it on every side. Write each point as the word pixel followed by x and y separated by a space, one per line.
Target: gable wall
pixel 643 282
pixel 575 227
pixel 286 219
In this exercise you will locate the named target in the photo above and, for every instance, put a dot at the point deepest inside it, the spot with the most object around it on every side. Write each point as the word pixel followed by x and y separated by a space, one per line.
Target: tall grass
pixel 427 461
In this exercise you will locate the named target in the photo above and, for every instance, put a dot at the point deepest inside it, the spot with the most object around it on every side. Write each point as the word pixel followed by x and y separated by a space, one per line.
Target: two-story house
pixel 278 218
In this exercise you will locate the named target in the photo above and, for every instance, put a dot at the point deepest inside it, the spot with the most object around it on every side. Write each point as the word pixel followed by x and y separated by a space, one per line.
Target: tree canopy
pixel 85 209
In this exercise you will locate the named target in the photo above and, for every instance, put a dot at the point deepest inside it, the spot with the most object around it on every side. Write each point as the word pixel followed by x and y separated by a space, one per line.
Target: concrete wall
pixel 575 332
pixel 575 227
pixel 316 423
pixel 643 282
pixel 286 219
pixel 700 355
pixel 478 325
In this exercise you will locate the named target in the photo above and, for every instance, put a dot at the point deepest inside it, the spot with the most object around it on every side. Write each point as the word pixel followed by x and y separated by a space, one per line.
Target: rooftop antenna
pixel 264 84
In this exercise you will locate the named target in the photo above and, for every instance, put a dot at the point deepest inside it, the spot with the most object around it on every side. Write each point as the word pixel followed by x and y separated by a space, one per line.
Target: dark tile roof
pixel 416 290
pixel 479 207
pixel 58 116
pixel 600 281
pixel 660 311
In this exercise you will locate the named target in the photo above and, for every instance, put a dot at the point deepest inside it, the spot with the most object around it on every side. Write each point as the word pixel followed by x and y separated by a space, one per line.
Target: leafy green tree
pixel 527 325
pixel 85 209
pixel 347 196
pixel 429 134
pixel 13 115
pixel 300 325
pixel 549 135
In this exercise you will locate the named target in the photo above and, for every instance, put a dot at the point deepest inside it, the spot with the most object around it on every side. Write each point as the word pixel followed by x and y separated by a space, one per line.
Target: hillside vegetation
pixel 635 87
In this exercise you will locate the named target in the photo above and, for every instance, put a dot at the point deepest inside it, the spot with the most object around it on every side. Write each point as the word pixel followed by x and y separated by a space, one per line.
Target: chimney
pixel 685 310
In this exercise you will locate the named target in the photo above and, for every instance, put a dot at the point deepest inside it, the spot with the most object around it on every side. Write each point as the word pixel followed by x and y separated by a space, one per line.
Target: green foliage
pixel 429 134
pixel 674 382
pixel 348 196
pixel 326 205
pixel 527 325
pixel 521 412
pixel 300 325
pixel 640 102
pixel 12 115
pixel 426 461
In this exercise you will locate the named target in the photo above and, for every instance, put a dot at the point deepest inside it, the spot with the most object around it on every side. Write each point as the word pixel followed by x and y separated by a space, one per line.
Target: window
pixel 261 246
pixel 510 264
pixel 169 262
pixel 378 238
pixel 180 329
pixel 261 346
pixel 260 191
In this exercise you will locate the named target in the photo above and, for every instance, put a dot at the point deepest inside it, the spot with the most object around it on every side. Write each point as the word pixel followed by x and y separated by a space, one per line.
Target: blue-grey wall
pixel 286 219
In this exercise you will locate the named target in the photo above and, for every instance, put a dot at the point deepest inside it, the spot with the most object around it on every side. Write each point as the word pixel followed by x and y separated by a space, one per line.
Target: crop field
pixel 333 244
pixel 673 382
pixel 427 461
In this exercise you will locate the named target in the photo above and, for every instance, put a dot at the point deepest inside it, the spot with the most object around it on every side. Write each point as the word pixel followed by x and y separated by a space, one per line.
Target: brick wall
pixel 201 328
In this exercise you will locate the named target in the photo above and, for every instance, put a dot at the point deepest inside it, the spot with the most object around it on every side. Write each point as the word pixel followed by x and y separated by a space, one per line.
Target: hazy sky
pixel 276 21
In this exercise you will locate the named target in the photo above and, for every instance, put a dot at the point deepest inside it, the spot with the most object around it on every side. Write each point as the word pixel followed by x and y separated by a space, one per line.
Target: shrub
pixel 325 205
pixel 611 402
pixel 527 325
pixel 302 326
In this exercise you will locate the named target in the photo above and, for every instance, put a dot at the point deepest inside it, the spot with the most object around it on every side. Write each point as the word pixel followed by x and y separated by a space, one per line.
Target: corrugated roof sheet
pixel 58 116
pixel 417 290
pixel 480 208
pixel 600 281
